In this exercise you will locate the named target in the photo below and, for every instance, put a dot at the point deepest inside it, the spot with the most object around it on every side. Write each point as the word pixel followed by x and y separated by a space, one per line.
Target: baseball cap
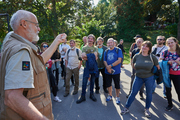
pixel 137 36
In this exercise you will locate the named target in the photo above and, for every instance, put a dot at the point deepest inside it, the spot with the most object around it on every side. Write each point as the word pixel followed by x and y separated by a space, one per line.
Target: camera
pixel 158 55
pixel 80 58
pixel 112 71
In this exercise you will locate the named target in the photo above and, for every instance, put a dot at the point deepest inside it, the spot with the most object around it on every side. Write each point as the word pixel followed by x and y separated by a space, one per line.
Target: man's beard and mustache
pixel 160 43
pixel 34 36
pixel 99 45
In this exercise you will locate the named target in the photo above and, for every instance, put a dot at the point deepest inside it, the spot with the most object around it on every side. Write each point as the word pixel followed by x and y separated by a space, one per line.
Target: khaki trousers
pixel 69 73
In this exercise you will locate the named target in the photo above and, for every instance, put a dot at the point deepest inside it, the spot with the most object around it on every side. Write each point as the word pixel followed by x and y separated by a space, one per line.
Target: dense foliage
pixel 121 19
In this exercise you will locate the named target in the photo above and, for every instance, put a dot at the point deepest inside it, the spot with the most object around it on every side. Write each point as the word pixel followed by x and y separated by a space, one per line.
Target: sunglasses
pixel 160 39
pixel 45 46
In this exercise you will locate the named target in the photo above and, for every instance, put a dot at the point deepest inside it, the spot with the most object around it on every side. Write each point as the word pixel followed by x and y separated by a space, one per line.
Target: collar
pixel 24 40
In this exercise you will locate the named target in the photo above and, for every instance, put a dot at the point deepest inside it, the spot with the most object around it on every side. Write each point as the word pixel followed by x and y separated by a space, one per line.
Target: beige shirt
pixel 72 58
pixel 16 77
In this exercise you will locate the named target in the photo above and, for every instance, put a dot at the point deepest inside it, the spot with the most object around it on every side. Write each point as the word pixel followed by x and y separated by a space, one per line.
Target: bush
pixel 171 30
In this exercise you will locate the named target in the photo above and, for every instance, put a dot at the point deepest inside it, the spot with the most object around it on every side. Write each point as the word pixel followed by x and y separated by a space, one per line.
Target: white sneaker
pixel 118 100
pixel 57 99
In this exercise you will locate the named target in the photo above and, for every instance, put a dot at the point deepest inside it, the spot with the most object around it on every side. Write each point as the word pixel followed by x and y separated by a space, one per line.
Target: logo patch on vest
pixel 25 65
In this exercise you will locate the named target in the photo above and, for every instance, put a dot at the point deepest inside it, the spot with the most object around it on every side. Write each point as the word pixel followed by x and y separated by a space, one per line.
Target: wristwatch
pixel 111 65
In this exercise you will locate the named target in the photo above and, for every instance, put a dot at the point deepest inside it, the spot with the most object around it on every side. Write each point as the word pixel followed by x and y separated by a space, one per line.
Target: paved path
pixel 101 110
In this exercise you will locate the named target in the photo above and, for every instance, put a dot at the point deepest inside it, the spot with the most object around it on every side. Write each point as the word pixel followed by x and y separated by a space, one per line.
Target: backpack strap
pixel 77 51
pixel 106 52
pixel 117 50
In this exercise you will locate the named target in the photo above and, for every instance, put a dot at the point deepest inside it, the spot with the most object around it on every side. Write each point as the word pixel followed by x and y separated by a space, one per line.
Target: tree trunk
pixel 178 34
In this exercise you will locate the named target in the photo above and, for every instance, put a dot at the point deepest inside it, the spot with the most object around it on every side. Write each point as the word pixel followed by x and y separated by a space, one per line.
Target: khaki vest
pixel 40 95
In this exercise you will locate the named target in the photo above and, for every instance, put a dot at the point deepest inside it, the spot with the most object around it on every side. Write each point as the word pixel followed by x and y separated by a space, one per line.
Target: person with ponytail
pixel 172 55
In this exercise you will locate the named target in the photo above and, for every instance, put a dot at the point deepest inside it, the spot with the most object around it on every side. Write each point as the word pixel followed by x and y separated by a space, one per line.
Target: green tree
pixel 178 34
pixel 129 19
pixel 106 12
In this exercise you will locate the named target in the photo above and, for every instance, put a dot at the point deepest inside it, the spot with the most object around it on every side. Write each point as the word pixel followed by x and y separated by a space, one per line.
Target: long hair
pixel 177 45
pixel 43 44
pixel 148 44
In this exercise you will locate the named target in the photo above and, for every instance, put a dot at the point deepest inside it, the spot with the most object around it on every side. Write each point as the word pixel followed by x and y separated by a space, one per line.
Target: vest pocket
pixel 39 69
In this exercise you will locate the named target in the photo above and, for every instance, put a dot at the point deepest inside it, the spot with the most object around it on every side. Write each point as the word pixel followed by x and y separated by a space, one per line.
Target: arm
pixel 66 62
pixel 48 53
pixel 84 56
pixel 80 63
pixel 108 67
pixel 15 100
pixel 117 62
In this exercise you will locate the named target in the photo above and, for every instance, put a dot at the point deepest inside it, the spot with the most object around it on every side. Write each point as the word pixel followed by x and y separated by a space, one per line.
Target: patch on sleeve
pixel 25 65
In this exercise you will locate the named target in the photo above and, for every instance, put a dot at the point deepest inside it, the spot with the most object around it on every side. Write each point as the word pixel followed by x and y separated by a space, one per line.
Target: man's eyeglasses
pixel 45 46
pixel 37 24
pixel 159 39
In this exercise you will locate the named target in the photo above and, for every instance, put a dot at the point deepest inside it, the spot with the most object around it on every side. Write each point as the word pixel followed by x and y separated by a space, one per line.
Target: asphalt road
pixel 102 110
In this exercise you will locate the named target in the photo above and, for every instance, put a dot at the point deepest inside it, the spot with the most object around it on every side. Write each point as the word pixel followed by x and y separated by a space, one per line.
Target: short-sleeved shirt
pixel 110 57
pixel 86 49
pixel 174 68
pixel 135 51
pixel 100 52
pixel 72 58
pixel 144 64
pixel 61 46
pixel 159 50
pixel 16 76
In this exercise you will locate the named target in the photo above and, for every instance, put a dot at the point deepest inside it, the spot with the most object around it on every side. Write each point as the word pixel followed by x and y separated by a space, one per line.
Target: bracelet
pixel 111 65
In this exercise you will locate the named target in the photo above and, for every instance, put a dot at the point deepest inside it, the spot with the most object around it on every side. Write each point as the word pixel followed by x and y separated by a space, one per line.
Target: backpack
pixel 77 51
pixel 117 50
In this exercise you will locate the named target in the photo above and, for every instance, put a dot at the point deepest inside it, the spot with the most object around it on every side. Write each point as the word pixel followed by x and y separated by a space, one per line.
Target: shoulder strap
pixel 77 51
pixel 106 52
pixel 151 58
pixel 68 52
pixel 161 49
pixel 117 50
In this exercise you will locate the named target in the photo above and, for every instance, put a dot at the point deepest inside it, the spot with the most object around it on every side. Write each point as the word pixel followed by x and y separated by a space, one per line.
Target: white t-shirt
pixel 159 49
pixel 72 58
pixel 61 46
pixel 19 71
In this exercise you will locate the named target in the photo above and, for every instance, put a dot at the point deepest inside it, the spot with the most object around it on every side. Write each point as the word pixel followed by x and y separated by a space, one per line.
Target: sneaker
pixel 169 108
pixel 88 83
pixel 147 113
pixel 165 96
pixel 97 92
pixel 109 98
pixel 57 99
pixel 118 100
pixel 124 111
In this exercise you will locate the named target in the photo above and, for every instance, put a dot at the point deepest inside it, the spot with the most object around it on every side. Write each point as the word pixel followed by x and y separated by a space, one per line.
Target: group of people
pixel 143 57
pixel 25 91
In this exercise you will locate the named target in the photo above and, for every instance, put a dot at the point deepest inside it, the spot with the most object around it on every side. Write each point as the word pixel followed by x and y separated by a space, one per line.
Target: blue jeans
pixel 84 84
pixel 138 82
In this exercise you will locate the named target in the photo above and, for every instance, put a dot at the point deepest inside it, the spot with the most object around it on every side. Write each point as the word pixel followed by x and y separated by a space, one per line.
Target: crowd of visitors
pixel 23 76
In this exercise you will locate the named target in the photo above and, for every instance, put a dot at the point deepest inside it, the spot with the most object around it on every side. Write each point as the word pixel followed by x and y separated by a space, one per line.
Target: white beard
pixel 32 35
